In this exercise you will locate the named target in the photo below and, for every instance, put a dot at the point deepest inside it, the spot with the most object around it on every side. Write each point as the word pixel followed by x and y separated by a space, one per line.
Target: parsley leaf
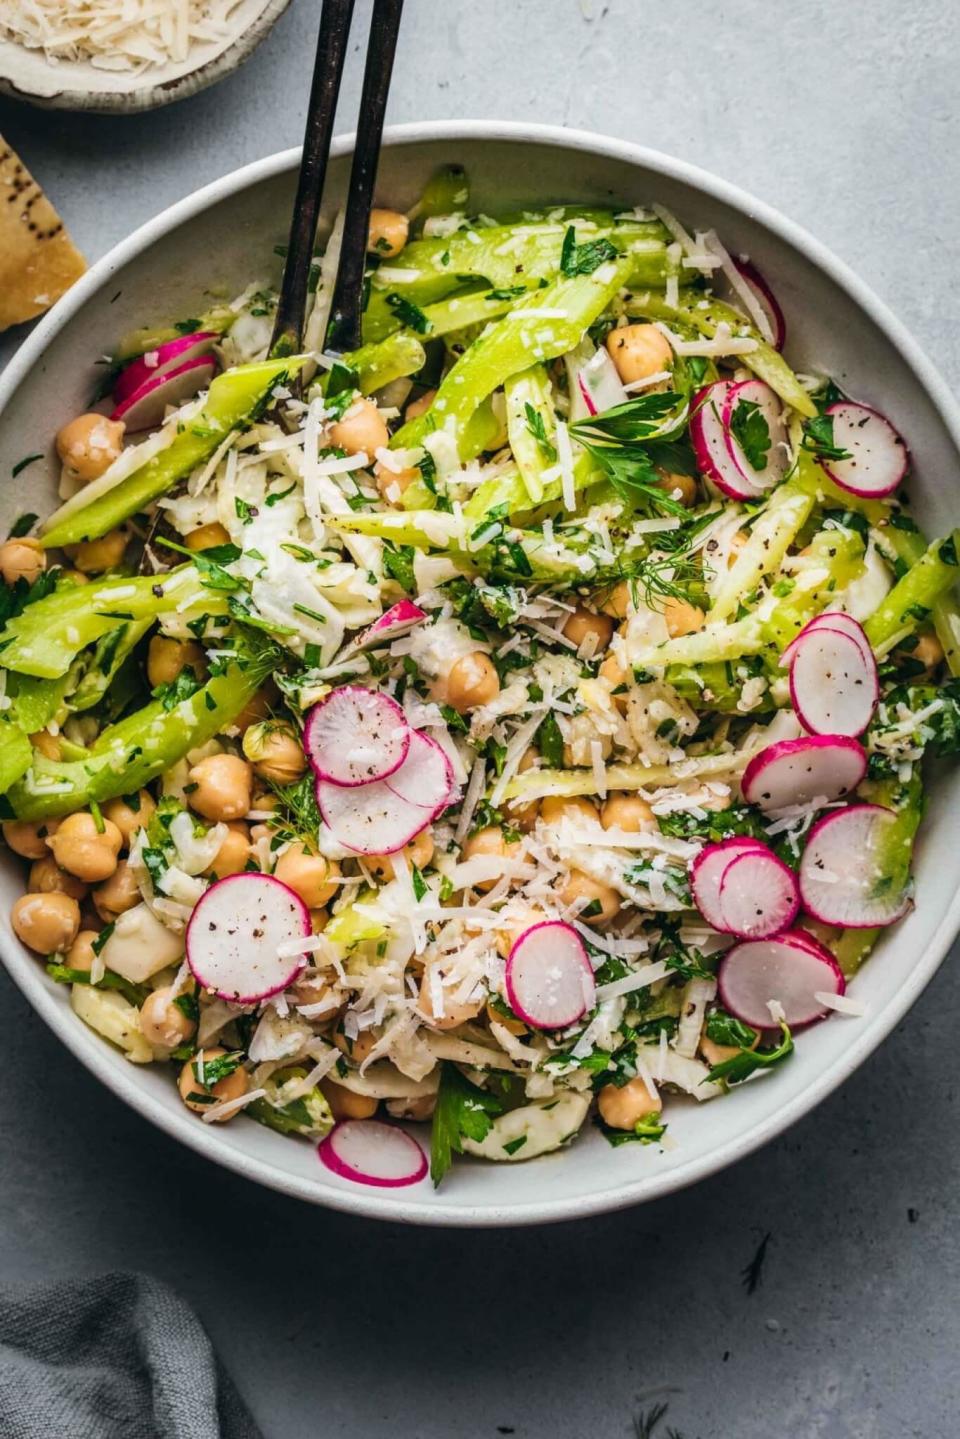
pixel 463 1112
pixel 538 429
pixel 749 428
pixel 23 524
pixel 584 259
pixel 550 741
pixel 409 314
pixel 747 1061
pixel 817 439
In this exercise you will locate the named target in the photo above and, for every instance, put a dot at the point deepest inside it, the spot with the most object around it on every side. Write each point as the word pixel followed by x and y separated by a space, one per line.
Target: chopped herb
pixel 188 1006
pixel 409 314
pixel 420 886
pixel 538 429
pixel 818 439
pixel 513 1145
pixel 279 495
pixel 463 1112
pixel 398 563
pixel 245 513
pixel 549 741
pixel 98 820
pixel 584 259
pixel 23 524
pixel 741 1065
pixel 749 427
pixel 209 1072
pixel 22 465
pixel 173 692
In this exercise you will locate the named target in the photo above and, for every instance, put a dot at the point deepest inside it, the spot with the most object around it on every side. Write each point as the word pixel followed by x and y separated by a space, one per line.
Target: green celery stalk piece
pixel 234 396
pixel 108 655
pixel 513 344
pixel 135 751
pixel 764 361
pixel 35 702
pixel 447 192
pixel 533 453
pixel 217 320
pixel 16 752
pixel 46 638
pixel 772 534
pixel 377 365
pixel 909 545
pixel 912 598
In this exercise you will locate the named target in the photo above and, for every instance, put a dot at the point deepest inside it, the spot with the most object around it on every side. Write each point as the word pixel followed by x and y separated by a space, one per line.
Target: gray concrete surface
pixel 846 117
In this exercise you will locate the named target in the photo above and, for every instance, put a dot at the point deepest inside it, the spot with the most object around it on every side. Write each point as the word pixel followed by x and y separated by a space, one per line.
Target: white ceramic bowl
pixel 80 85
pixel 223 236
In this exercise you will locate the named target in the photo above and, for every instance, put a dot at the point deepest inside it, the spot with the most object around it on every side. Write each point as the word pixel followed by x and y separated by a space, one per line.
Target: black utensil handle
pixel 335 21
pixel 346 310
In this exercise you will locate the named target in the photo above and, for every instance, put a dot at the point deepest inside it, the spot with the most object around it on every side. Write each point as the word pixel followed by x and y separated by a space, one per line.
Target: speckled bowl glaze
pixel 222 237
pixel 79 85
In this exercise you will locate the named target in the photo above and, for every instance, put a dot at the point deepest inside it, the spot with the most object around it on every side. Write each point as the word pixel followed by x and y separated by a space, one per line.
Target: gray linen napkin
pixel 118 1356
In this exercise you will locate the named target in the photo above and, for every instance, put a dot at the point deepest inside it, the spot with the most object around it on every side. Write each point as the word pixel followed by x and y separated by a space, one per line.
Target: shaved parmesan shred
pixel 119 35
pixel 565 458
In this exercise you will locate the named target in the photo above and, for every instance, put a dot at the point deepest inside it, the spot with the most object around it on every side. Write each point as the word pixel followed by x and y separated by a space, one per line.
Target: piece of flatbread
pixel 38 260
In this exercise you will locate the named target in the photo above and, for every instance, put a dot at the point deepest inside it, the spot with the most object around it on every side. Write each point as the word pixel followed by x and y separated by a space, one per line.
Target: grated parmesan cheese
pixel 118 35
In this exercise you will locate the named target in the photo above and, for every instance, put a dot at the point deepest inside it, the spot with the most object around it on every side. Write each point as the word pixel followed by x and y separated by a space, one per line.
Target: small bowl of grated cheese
pixel 125 55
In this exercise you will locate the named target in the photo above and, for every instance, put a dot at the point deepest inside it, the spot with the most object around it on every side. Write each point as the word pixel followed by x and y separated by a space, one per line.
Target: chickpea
pixel 418 852
pixel 233 854
pixel 129 818
pixel 91 557
pixel 310 875
pixel 555 807
pixel 420 406
pixel 928 650
pixel 46 923
pixel 673 480
pixel 388 232
pixel 206 537
pixel 46 877
pixel 258 707
pixel 47 744
pixel 224 783
pixel 22 559
pixel 583 625
pixel 454 1012
pixel 525 816
pixel 358 1049
pixel 618 601
pixel 509 1023
pixel 417 1109
pixel 89 445
pixel 196 1097
pixel 361 430
pixel 613 672
pixel 490 841
pixel 471 682
pixel 319 919
pixel 682 617
pixel 344 1104
pixel 624 1107
pixel 275 752
pixel 627 812
pixel 715 1053
pixel 314 990
pixel 81 954
pixel 639 351
pixel 163 1023
pixel 84 850
pixel 117 894
pixel 507 938
pixel 392 484
pixel 29 836
pixel 594 891
pixel 167 658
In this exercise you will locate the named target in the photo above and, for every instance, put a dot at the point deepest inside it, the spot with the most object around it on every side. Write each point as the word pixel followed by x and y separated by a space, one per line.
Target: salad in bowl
pixel 513 725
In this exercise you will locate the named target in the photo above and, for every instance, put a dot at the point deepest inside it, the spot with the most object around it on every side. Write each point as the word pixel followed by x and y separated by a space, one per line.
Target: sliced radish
pixel 833 682
pixel 707 870
pixel 235 934
pixel 370 1152
pixel 878 454
pixel 843 876
pixel 161 361
pixel 398 620
pixel 146 407
pixel 834 620
pixel 355 736
pixel 766 299
pixel 778 460
pixel 600 385
pixel 790 970
pixel 549 981
pixel 709 439
pixel 426 776
pixel 370 818
pixel 796 771
pixel 758 895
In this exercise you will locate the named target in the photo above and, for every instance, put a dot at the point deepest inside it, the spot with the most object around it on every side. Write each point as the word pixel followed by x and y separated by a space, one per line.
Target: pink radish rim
pixel 419 817
pixel 845 484
pixel 870 669
pixel 144 391
pixel 768 857
pixel 796 939
pixel 137 372
pixel 822 823
pixel 327 1152
pixel 753 277
pixel 737 844
pixel 451 790
pixel 311 719
pixel 834 620
pixel 784 747
pixel 297 962
pixel 520 1009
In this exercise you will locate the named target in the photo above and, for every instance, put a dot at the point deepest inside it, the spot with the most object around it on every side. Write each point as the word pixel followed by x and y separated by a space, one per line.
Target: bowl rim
pixel 90 1050
pixel 152 94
